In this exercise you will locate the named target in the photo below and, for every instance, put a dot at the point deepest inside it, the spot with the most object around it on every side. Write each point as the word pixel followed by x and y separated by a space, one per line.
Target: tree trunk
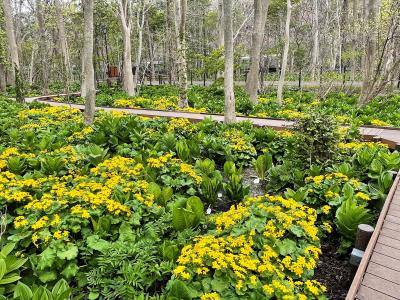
pixel 260 17
pixel 128 83
pixel 230 115
pixel 42 47
pixel 32 65
pixel 369 55
pixel 12 44
pixel 140 25
pixel 63 42
pixel 88 75
pixel 2 78
pixel 220 41
pixel 151 53
pixel 315 50
pixel 180 11
pixel 285 53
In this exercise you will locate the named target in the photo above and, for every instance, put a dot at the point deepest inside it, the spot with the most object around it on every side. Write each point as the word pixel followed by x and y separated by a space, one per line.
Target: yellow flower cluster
pixel 362 196
pixel 378 122
pixel 52 115
pixel 81 134
pixel 238 143
pixel 20 221
pixel 237 254
pixel 320 178
pixel 210 296
pixel 188 169
pixel 180 124
pixel 78 210
pixel 291 114
pixel 228 219
pixel 359 145
pixel 159 162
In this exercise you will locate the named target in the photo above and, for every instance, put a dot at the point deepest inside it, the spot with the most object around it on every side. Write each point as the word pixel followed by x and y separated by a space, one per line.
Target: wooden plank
pixel 390 233
pixel 394 210
pixel 392 226
pixel 387 250
pixel 366 293
pixel 384 272
pixel 382 285
pixel 386 261
pixel 393 219
pixel 389 242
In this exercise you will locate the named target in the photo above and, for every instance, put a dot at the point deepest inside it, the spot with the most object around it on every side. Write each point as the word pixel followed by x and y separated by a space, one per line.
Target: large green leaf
pixel 95 243
pixel 22 291
pixel 7 250
pixel 69 252
pixel 348 216
pixel 3 268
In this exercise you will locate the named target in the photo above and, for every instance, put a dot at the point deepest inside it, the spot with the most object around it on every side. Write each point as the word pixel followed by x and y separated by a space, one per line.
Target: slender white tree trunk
pixel 90 100
pixel 180 11
pixel 260 17
pixel 12 44
pixel 369 55
pixel 315 50
pixel 42 47
pixel 140 25
pixel 2 78
pixel 230 114
pixel 285 52
pixel 63 41
pixel 32 64
pixel 128 83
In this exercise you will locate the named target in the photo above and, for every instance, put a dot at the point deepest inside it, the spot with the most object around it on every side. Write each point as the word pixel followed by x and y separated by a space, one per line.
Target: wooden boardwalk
pixel 378 276
pixel 387 135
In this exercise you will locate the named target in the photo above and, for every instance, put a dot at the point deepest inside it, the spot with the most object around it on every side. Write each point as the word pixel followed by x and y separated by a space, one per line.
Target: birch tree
pixel 42 46
pixel 230 115
pixel 88 72
pixel 63 43
pixel 260 17
pixel 315 49
pixel 180 11
pixel 140 19
pixel 128 83
pixel 12 44
pixel 285 52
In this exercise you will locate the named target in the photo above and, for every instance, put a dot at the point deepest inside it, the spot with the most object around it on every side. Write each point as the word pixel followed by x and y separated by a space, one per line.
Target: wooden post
pixel 364 233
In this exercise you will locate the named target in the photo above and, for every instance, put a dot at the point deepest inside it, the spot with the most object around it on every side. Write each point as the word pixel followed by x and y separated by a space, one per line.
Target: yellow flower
pixel 363 196
pixel 20 221
pixel 40 223
pixel 78 210
pixel 210 296
pixel 326 209
pixel 253 280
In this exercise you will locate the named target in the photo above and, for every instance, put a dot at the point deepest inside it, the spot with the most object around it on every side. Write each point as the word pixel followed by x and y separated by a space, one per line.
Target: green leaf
pixel 126 233
pixel 46 258
pixel 70 270
pixel 94 295
pixel 95 243
pixel 349 215
pixel 7 250
pixel 22 291
pixel 180 290
pixel 286 247
pixel 47 276
pixel 69 253
pixel 13 263
pixel 42 294
pixel 3 268
pixel 61 290
pixel 219 284
pixel 10 278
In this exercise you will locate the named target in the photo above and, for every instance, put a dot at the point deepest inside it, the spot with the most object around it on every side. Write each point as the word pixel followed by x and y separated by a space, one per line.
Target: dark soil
pixel 334 271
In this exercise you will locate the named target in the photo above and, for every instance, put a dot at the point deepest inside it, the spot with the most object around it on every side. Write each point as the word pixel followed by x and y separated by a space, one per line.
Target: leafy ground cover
pixel 382 111
pixel 138 208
